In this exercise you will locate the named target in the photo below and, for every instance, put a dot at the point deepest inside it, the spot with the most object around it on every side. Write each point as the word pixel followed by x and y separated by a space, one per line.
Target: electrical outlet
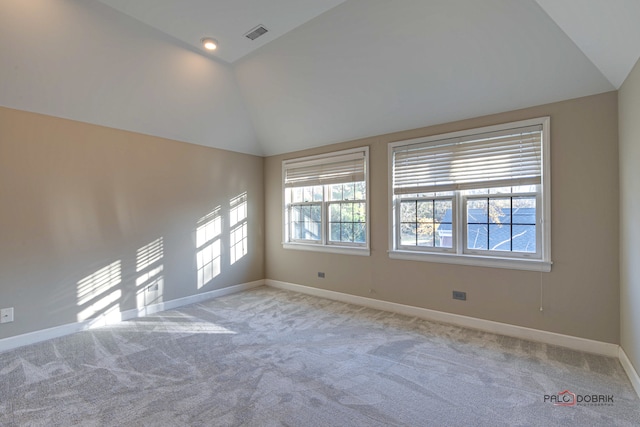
pixel 6 315
pixel 321 274
pixel 460 295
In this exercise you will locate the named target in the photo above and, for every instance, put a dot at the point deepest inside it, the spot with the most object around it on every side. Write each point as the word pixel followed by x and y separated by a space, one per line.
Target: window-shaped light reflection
pixel 97 293
pixel 150 280
pixel 208 246
pixel 238 239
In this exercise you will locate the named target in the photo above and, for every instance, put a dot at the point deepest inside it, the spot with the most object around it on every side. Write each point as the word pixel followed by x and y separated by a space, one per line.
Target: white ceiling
pixel 227 21
pixel 369 67
pixel 608 32
pixel 328 71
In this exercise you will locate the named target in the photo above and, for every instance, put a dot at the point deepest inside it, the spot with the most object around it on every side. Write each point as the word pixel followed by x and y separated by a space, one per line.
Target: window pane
pixel 296 195
pixel 346 212
pixel 443 235
pixel 334 233
pixel 477 210
pixel 360 233
pixel 425 211
pixel 359 212
pixel 307 194
pixel 425 234
pixel 334 212
pixel 426 223
pixel 524 210
pixel 475 191
pixel 361 191
pixel 525 189
pixel 317 193
pixel 500 190
pixel 297 229
pixel 408 211
pixel 335 192
pixel 477 236
pixel 306 222
pixel 347 222
pixel 349 191
pixel 500 210
pixel 510 223
pixel 347 232
pixel 311 230
pixel 524 238
pixel 296 213
pixel 408 234
pixel 443 211
pixel 316 212
pixel 499 237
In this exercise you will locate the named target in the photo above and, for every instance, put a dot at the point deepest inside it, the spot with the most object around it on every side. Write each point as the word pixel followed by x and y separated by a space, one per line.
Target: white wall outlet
pixel 6 315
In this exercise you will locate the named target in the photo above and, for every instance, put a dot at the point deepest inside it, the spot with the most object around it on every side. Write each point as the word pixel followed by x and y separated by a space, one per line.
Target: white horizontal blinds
pixel 336 169
pixel 504 158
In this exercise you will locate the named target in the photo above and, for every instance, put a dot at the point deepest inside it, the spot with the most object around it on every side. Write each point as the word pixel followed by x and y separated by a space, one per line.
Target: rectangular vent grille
pixel 256 32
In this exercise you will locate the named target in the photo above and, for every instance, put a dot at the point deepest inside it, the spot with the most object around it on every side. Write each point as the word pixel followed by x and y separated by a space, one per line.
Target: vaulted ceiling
pixel 326 71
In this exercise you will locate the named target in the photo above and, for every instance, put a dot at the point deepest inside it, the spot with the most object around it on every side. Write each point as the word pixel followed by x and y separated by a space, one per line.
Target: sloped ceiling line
pixel 339 70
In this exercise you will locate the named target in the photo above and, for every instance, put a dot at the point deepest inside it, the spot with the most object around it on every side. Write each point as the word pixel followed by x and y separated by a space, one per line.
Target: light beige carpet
pixel 267 357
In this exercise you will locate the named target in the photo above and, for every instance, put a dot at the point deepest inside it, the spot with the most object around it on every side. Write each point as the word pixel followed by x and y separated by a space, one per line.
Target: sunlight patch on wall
pixel 96 293
pixel 238 239
pixel 208 246
pixel 150 280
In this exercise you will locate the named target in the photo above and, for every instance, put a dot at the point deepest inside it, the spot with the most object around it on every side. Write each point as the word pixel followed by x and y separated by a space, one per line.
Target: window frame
pixel 502 254
pixel 327 224
pixel 290 223
pixel 459 254
pixel 426 249
pixel 324 244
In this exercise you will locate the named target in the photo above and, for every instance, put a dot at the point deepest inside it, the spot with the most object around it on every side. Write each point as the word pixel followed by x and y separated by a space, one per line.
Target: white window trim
pixel 490 259
pixel 324 245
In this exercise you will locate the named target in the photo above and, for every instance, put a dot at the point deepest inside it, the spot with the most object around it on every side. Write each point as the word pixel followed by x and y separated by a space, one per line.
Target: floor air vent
pixel 256 32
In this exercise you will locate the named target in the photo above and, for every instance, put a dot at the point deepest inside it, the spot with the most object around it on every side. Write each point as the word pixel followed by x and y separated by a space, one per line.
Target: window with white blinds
pixel 501 158
pixel 326 202
pixel 479 197
pixel 323 170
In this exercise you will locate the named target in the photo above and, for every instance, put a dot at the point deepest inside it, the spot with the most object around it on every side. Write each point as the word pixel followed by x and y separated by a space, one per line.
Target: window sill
pixel 474 260
pixel 344 250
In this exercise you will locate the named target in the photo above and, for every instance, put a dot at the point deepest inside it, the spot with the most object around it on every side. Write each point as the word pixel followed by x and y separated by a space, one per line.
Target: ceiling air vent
pixel 256 32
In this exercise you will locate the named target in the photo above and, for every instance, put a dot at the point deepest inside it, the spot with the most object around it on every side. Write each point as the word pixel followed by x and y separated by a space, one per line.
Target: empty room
pixel 319 212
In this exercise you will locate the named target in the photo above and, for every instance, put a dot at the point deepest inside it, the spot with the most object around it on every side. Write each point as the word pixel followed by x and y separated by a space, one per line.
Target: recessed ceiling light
pixel 209 43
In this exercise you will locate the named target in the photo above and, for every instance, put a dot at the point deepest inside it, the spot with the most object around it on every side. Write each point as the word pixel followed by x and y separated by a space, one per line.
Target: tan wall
pixel 580 295
pixel 629 115
pixel 75 198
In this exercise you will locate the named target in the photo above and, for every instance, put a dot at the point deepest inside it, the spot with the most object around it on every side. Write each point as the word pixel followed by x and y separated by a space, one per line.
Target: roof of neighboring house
pixel 499 232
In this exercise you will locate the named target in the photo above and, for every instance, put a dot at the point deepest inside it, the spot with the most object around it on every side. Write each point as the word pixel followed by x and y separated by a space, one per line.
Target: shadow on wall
pixel 221 240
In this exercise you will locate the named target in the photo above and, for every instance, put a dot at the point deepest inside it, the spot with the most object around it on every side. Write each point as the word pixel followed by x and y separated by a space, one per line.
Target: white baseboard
pixel 630 370
pixel 42 335
pixel 110 319
pixel 575 343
